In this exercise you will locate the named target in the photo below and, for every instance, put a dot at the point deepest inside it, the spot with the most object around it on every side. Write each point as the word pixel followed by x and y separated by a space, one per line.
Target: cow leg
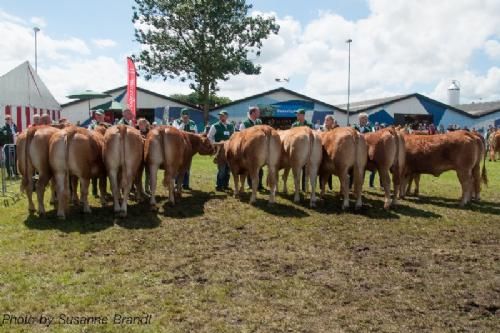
pixel 126 192
pixel 359 178
pixel 236 181
pixel 62 195
pixel 113 180
pixel 53 193
pixel 29 190
pixel 254 175
pixel 396 183
pixel 313 175
pixel 386 184
pixel 153 170
pixel 242 182
pixel 286 171
pixel 102 190
pixel 40 192
pixel 344 187
pixel 84 193
pixel 476 175
pixel 296 181
pixel 465 180
pixel 322 185
pixel 416 178
pixel 272 178
pixel 74 188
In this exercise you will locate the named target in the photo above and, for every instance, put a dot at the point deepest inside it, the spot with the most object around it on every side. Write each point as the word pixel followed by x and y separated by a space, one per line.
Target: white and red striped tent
pixel 23 94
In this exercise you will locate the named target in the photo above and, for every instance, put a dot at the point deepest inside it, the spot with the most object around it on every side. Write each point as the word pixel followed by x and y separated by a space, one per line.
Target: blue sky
pixel 399 47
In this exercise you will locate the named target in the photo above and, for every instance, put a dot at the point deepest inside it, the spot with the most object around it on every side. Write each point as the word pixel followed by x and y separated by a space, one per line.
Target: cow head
pixel 205 147
pixel 220 155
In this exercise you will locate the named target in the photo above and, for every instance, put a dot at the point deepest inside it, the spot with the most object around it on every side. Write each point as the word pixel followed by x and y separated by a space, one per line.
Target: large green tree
pixel 202 41
pixel 195 98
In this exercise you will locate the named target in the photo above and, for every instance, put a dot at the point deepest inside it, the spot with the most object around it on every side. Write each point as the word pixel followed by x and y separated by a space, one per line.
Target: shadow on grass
pixel 101 218
pixel 485 207
pixel 372 208
pixel 192 204
pixel 277 209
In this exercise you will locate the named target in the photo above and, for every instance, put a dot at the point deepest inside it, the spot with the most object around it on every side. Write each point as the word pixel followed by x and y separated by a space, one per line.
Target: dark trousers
pixel 223 176
pixel 372 178
pixel 261 174
pixel 185 180
pixel 10 160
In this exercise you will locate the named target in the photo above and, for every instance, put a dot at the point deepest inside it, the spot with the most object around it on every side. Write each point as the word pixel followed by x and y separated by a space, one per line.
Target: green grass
pixel 213 263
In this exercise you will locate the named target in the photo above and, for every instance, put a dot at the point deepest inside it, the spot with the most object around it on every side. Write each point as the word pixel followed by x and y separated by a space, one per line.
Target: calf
pixel 461 151
pixel 123 155
pixel 386 154
pixel 248 151
pixel 173 150
pixel 300 147
pixel 33 156
pixel 76 151
pixel 344 149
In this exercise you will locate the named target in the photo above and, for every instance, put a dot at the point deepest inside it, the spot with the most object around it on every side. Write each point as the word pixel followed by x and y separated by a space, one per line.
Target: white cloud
pixel 39 22
pixel 103 43
pixel 492 48
pixel 399 46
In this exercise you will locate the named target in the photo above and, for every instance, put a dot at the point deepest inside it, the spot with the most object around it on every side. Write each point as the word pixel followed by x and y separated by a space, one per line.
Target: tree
pixel 196 99
pixel 203 41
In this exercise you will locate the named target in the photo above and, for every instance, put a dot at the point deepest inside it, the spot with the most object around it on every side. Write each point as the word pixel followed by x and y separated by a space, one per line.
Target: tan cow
pixel 123 155
pixel 461 151
pixel 33 155
pixel 386 154
pixel 247 152
pixel 168 148
pixel 494 144
pixel 76 151
pixel 344 149
pixel 300 147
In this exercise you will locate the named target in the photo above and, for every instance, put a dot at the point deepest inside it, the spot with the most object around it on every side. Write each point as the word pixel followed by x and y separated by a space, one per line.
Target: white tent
pixel 23 94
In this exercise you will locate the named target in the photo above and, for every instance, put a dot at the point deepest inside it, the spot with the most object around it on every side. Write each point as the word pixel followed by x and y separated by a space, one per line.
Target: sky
pixel 399 47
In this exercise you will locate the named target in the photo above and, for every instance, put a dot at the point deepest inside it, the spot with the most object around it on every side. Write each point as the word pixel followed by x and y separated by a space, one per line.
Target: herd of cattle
pixel 66 156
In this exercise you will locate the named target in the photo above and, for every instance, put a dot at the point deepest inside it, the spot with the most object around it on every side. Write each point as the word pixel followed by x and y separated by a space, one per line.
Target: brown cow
pixel 344 149
pixel 386 153
pixel 494 143
pixel 123 154
pixel 247 152
pixel 76 151
pixel 461 151
pixel 33 155
pixel 300 147
pixel 173 150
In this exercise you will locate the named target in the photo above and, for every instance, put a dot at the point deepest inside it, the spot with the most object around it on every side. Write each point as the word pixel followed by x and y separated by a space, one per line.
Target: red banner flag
pixel 131 86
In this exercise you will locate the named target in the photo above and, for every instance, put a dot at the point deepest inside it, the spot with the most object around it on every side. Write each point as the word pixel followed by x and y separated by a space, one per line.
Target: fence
pixel 8 175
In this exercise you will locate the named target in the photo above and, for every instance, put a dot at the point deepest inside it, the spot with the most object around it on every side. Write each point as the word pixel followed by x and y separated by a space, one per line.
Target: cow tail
pixel 123 161
pixel 27 159
pixel 164 153
pixel 67 139
pixel 484 175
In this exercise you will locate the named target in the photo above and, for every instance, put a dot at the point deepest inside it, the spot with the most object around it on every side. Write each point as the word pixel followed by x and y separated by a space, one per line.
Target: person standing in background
pixel 187 125
pixel 253 119
pixel 221 131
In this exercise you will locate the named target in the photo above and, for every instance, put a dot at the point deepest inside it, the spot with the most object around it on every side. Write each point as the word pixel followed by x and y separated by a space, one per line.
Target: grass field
pixel 216 264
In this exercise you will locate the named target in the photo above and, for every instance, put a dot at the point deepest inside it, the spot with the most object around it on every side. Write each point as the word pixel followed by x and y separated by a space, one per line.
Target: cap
pixel 300 111
pixel 184 112
pixel 99 112
pixel 223 113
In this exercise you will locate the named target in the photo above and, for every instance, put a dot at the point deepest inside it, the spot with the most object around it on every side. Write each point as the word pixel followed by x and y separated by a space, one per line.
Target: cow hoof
pixel 358 207
pixel 61 217
pixel 154 208
pixel 123 214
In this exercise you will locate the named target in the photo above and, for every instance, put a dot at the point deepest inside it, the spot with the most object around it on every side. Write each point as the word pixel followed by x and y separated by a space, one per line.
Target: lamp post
pixel 349 41
pixel 36 29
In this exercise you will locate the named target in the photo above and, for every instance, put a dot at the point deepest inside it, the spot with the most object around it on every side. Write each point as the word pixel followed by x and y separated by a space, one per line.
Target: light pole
pixel 36 29
pixel 349 41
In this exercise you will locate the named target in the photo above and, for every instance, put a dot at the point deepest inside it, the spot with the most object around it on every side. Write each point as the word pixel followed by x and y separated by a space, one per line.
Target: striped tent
pixel 23 94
